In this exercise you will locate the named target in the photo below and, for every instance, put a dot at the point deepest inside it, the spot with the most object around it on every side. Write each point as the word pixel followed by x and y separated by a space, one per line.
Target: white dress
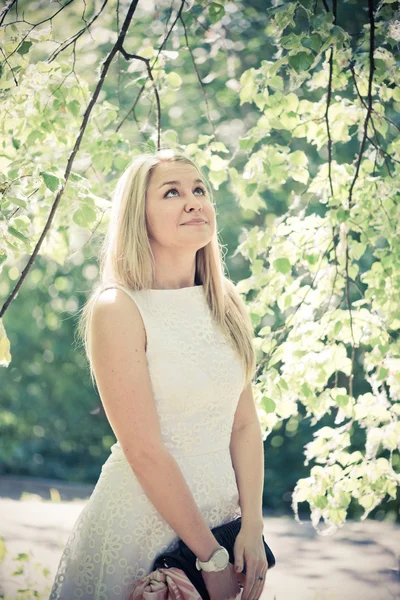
pixel 197 379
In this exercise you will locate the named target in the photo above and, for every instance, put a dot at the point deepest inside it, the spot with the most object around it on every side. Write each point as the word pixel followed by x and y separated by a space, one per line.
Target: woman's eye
pixel 175 190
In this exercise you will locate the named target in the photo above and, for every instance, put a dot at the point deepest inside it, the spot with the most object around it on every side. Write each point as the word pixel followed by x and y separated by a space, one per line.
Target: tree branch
pixel 105 68
pixel 328 101
pixel 6 10
pixel 74 38
pixel 264 362
pixel 149 68
pixel 34 25
pixel 369 93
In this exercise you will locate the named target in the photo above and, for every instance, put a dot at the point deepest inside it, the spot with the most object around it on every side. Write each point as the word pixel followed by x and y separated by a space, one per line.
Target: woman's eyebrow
pixel 178 182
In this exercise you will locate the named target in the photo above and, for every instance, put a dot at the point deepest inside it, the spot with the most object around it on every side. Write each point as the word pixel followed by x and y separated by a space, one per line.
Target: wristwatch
pixel 218 562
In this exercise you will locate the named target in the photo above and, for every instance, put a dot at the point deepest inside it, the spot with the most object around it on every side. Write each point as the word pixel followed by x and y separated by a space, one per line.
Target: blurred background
pixel 53 430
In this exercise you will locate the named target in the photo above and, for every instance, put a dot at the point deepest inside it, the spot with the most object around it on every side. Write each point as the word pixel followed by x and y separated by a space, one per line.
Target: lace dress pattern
pixel 196 379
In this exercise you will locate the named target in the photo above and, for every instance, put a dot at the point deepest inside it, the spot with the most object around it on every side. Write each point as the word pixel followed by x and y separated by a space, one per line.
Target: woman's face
pixel 170 206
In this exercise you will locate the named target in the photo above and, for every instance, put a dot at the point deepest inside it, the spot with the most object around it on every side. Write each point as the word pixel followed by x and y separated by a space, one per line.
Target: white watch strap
pixel 209 565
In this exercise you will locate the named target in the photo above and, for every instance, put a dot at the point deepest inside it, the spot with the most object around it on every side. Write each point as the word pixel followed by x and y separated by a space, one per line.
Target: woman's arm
pixel 123 380
pixel 163 482
pixel 247 454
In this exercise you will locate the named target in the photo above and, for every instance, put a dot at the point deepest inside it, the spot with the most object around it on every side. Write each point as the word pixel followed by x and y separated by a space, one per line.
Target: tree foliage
pixel 319 148
pixel 327 271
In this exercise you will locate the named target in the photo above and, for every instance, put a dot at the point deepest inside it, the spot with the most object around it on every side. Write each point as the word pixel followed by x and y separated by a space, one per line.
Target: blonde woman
pixel 169 344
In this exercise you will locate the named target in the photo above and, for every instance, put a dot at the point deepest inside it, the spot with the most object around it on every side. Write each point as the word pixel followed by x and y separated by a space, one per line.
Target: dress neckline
pixel 170 290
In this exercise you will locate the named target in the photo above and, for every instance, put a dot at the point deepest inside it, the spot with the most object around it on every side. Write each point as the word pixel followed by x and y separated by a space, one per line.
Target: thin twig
pixel 88 111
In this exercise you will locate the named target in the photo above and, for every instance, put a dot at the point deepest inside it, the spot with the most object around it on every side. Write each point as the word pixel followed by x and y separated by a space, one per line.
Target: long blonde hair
pixel 126 258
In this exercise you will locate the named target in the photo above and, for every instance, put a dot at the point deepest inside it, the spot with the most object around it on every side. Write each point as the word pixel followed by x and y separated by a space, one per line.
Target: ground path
pixel 360 562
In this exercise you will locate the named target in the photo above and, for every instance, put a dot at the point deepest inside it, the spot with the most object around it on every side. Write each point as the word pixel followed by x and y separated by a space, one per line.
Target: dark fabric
pixel 183 558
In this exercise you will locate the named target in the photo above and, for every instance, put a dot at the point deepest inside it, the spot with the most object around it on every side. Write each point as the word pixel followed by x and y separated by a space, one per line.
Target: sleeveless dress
pixel 196 379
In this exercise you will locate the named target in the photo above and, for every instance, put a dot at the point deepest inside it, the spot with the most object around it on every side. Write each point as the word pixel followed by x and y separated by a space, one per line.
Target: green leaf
pixel 268 404
pixel 321 502
pixel 391 488
pixel 170 138
pixel 147 52
pixel 382 374
pixel 355 457
pixel 357 249
pixel 288 301
pixel 338 35
pixel 337 327
pixel 367 501
pixel 282 265
pixel 215 12
pixel 353 271
pixel 292 104
pixel 255 319
pixel 257 267
pixel 337 515
pixel 290 41
pixel 301 61
pixel 3 550
pixel 312 259
pixel 342 215
pixel 22 556
pixel 314 42
pixel 275 82
pixel 319 21
pixel 276 158
pixel 282 384
pixel 34 135
pixel 381 125
pixel 24 48
pixel 298 159
pixel 18 201
pixel 299 175
pixel 247 92
pixel 250 189
pixel 51 181
pixel 74 107
pixel 17 234
pixel 204 139
pixel 342 400
pixel 247 143
pixel 84 216
pixel 306 390
pixel 284 15
pixel 218 147
pixel 151 145
pixel 345 499
pixel 173 80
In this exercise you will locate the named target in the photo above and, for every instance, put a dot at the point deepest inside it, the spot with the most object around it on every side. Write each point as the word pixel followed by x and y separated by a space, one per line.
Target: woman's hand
pixel 249 551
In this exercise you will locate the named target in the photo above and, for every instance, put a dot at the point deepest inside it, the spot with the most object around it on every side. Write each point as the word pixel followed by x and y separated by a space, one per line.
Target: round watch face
pixel 221 559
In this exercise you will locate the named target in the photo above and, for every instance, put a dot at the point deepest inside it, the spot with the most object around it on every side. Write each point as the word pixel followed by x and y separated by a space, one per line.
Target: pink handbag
pixel 165 584
pixel 169 584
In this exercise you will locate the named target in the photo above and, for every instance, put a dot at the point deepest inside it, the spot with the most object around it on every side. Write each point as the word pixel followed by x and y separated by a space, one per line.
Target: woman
pixel 169 344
